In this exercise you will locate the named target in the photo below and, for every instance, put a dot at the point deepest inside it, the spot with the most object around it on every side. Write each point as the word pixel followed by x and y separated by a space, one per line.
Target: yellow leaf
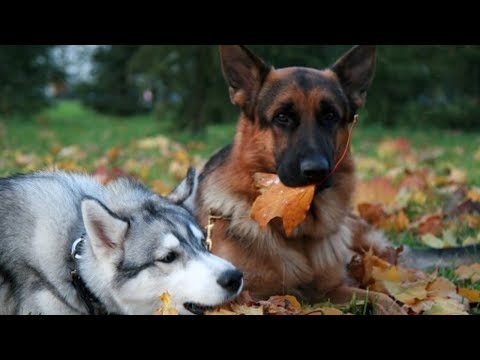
pixel 471 295
pixel 160 187
pixel 470 240
pixel 474 194
pixel 476 156
pixel 278 200
pixel 247 310
pixel 166 308
pixel 419 198
pixel 443 306
pixel 449 238
pixel 407 293
pixel 432 241
pixel 182 157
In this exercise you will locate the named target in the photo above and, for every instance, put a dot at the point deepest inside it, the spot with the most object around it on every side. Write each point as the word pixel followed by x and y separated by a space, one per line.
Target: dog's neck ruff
pixel 94 306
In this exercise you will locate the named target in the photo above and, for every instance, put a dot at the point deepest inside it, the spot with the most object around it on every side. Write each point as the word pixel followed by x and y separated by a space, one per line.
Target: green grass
pixel 69 123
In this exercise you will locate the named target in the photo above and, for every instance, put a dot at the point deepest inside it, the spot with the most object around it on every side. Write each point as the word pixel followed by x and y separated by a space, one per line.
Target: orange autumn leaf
pixel 471 295
pixel 397 222
pixel 372 213
pixel 430 224
pixel 378 190
pixel 278 200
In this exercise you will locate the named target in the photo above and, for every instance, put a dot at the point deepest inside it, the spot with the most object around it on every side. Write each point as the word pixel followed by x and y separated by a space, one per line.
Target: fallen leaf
pixel 281 305
pixel 407 293
pixel 472 295
pixel 160 187
pixel 114 153
pixel 278 200
pixel 378 190
pixel 414 181
pixel 324 311
pixel 247 310
pixel 392 147
pixel 443 306
pixel 430 224
pixel 374 214
pixel 166 308
pixel 432 241
pixel 469 272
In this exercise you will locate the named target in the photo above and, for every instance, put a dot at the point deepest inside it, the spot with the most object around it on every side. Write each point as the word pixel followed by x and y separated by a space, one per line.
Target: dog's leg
pixel 383 305
pixel 43 302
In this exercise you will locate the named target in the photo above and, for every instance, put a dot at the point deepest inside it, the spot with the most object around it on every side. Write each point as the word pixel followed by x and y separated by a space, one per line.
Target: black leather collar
pixel 94 306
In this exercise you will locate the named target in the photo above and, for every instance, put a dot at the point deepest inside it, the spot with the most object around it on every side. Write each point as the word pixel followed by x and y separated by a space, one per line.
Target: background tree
pixel 111 89
pixel 25 72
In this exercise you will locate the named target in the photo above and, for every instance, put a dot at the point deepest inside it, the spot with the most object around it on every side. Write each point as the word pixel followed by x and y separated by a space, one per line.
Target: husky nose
pixel 315 168
pixel 230 280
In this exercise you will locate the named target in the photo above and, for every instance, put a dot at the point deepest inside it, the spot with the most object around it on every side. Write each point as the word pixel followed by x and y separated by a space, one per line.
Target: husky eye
pixel 169 258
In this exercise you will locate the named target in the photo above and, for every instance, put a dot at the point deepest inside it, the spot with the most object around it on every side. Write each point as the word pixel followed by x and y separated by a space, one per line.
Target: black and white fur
pixel 137 246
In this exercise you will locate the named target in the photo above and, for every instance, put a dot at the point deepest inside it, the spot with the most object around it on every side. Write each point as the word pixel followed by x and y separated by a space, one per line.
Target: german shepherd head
pixel 298 117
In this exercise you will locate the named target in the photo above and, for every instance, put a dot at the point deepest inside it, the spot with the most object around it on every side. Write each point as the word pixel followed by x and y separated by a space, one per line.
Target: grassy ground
pixel 68 136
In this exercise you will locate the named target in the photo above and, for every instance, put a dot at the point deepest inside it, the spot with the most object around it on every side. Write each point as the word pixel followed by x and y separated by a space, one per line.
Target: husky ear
pixel 185 192
pixel 105 230
pixel 355 70
pixel 244 73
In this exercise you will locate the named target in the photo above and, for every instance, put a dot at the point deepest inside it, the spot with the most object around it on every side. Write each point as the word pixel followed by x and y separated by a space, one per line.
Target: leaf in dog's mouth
pixel 277 200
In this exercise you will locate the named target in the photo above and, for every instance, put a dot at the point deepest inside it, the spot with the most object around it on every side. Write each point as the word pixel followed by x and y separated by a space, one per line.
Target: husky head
pixel 142 245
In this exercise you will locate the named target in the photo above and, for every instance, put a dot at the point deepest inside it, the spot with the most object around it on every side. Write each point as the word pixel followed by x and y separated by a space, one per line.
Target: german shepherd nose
pixel 231 280
pixel 315 168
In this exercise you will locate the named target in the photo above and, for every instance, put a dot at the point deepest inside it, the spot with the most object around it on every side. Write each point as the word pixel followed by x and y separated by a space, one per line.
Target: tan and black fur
pixel 294 122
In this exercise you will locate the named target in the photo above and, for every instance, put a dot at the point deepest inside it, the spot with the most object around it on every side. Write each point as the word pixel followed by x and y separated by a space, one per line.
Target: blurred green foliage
pixel 415 85
pixel 24 74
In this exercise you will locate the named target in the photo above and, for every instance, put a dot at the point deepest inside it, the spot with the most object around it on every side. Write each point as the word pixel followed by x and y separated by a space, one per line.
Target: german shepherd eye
pixel 330 117
pixel 169 258
pixel 284 119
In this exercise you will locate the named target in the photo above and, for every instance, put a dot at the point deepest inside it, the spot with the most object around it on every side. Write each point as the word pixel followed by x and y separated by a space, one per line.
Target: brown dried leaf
pixel 278 200
pixel 468 272
pixel 430 224
pixel 281 305
pixel 372 213
pixel 324 311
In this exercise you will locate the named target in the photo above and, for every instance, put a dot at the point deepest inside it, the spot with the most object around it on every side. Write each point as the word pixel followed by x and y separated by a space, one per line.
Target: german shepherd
pixel 294 122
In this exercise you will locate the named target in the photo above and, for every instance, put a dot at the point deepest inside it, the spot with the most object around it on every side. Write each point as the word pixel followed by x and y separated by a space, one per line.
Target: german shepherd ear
pixel 105 229
pixel 185 192
pixel 355 70
pixel 244 73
